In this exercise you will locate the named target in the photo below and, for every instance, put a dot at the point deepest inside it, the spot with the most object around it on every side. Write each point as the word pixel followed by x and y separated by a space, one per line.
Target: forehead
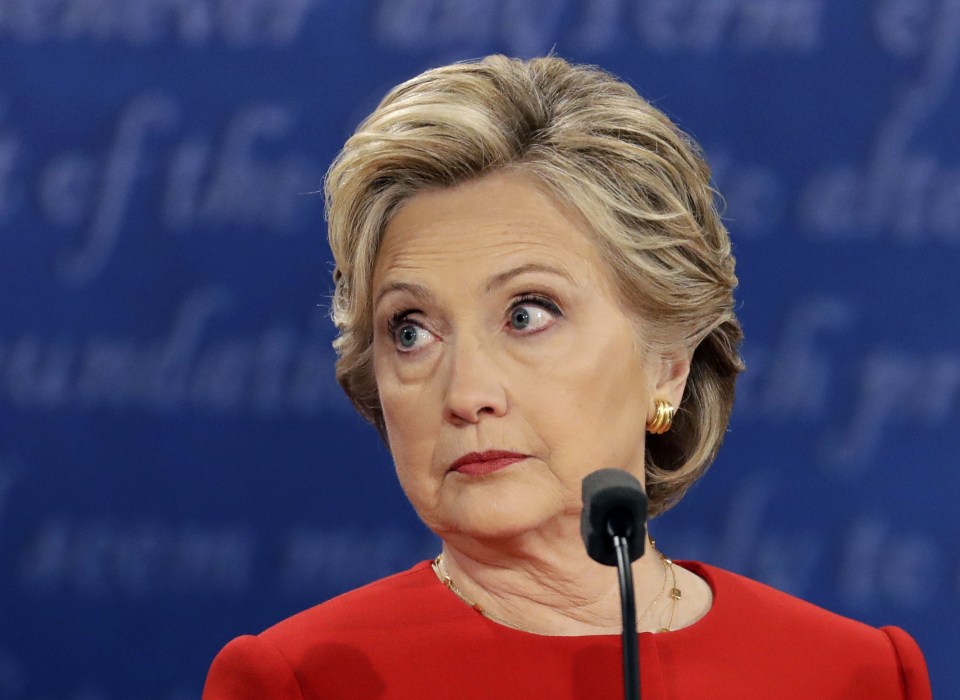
pixel 503 219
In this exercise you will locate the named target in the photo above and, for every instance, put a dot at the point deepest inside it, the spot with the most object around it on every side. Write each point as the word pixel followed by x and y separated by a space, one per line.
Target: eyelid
pixel 403 314
pixel 546 306
pixel 539 299
pixel 398 320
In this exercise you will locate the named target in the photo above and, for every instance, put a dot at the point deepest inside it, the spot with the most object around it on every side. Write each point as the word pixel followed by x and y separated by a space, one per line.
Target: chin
pixel 497 513
pixel 489 529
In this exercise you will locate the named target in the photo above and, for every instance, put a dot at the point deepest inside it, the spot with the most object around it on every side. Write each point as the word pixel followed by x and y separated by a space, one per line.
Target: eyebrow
pixel 417 291
pixel 420 293
pixel 502 278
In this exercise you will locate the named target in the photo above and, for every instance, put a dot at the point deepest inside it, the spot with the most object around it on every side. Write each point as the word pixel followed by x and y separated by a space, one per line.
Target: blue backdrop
pixel 177 464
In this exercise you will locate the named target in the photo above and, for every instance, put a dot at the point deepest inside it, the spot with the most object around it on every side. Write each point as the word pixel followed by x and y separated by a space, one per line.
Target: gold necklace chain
pixel 675 593
pixel 663 586
pixel 440 569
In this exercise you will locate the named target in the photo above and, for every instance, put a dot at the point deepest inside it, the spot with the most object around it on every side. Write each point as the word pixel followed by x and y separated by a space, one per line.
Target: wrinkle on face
pixel 576 394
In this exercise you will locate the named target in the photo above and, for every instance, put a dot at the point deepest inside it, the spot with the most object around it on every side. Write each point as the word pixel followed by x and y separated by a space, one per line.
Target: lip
pixel 482 463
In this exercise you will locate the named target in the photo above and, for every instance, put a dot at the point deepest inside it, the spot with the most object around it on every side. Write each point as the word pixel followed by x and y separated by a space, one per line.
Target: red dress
pixel 407 636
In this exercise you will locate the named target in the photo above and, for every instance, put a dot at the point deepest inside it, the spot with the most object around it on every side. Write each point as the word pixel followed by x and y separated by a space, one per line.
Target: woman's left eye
pixel 529 315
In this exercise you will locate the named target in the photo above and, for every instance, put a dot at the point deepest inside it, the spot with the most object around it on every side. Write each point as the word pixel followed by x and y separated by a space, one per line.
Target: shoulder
pixel 750 618
pixel 404 598
pixel 737 597
pixel 341 638
pixel 248 669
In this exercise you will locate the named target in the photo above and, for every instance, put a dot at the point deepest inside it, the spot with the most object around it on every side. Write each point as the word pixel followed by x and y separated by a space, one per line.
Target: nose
pixel 475 385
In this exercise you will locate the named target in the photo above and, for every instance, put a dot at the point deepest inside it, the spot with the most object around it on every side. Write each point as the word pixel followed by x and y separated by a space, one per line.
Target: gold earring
pixel 663 420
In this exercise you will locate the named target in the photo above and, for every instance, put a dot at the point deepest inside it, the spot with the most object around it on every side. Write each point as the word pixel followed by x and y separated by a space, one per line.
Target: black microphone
pixel 613 527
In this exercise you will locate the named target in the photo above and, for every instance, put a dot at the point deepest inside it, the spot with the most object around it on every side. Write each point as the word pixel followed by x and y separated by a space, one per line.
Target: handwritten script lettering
pixel 879 561
pixel 901 188
pixel 279 369
pixel 104 557
pixel 139 23
pixel 796 378
pixel 531 28
pixel 199 185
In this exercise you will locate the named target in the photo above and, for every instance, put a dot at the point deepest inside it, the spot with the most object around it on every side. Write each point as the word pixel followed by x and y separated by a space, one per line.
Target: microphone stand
pixel 613 528
pixel 628 607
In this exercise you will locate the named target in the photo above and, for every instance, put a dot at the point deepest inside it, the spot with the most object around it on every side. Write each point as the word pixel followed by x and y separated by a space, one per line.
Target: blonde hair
pixel 639 182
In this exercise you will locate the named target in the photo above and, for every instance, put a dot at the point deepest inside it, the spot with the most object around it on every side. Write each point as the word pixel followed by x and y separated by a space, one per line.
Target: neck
pixel 551 586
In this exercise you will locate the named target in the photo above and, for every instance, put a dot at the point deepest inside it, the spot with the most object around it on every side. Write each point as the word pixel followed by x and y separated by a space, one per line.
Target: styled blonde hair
pixel 639 182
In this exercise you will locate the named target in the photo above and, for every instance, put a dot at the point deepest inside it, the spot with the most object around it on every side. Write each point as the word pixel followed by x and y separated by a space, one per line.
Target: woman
pixel 529 269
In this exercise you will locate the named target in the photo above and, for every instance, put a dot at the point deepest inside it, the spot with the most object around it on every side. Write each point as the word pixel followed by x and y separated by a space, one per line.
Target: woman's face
pixel 498 334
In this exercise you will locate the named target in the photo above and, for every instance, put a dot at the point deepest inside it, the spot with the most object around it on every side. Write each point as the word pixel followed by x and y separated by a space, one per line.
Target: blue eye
pixel 520 317
pixel 533 313
pixel 407 336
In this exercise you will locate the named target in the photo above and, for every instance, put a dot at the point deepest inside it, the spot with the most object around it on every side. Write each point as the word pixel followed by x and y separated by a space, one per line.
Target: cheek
pixel 411 432
pixel 405 406
pixel 408 457
pixel 598 390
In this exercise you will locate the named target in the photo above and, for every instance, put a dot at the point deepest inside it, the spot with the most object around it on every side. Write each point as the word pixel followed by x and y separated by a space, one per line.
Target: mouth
pixel 482 463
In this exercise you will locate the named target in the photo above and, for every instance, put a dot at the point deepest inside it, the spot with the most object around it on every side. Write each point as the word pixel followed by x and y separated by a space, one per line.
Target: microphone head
pixel 614 503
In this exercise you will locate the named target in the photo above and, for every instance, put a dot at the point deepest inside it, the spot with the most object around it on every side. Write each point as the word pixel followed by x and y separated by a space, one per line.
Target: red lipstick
pixel 481 463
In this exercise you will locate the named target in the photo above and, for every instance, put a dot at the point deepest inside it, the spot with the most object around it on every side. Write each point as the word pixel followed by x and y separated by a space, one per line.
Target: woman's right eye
pixel 408 336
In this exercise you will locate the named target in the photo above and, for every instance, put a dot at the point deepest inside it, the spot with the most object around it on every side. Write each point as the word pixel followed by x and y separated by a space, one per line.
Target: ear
pixel 671 378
